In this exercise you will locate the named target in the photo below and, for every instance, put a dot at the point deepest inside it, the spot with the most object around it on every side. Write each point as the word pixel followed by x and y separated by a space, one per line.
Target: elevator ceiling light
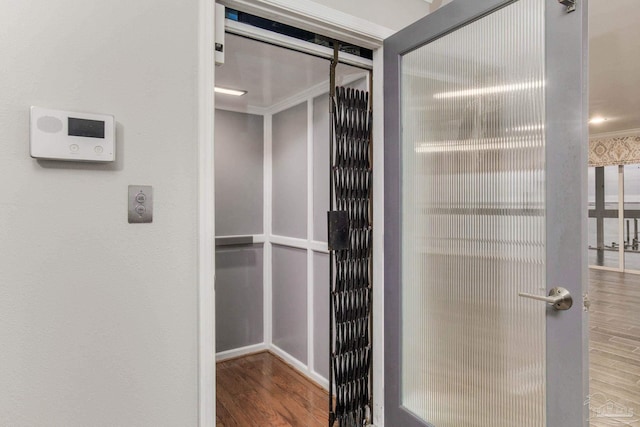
pixel 233 92
pixel 598 120
pixel 490 90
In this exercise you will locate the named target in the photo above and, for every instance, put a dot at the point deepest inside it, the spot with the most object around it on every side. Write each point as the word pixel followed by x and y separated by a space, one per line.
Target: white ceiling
pixel 614 64
pixel 268 73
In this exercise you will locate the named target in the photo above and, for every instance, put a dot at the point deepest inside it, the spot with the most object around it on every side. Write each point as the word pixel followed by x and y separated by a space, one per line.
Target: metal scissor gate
pixel 350 244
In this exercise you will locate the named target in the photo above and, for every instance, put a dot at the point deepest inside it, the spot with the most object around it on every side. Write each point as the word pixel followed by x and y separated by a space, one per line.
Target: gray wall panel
pixel 290 172
pixel 290 301
pixel 239 297
pixel 239 154
pixel 321 314
pixel 320 167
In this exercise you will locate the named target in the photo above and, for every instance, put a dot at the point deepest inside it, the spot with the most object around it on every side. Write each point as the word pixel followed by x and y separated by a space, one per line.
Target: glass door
pixel 485 177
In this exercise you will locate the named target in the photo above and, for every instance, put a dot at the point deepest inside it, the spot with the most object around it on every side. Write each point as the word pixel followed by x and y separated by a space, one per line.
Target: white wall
pixel 98 318
pixel 391 14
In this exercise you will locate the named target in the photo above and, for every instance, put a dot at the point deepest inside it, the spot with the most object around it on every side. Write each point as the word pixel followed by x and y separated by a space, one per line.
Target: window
pixel 614 217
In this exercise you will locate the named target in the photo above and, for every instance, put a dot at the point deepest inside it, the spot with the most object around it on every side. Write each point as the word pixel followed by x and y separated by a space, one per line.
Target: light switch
pixel 140 204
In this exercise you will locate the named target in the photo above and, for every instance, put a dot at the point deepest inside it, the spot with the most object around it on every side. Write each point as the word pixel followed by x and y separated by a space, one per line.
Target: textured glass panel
pixel 473 223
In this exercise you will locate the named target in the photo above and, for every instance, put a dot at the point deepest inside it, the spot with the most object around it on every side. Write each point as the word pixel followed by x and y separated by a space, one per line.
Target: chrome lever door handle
pixel 559 298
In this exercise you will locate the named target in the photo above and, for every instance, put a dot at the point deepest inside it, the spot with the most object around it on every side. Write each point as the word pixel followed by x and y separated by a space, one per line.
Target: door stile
pixel 566 110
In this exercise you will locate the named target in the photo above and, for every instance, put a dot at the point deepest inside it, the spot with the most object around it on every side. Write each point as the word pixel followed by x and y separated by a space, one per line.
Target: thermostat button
pixel 99 149
pixel 74 148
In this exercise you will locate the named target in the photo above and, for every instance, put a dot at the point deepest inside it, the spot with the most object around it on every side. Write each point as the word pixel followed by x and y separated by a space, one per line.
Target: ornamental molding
pixel 620 148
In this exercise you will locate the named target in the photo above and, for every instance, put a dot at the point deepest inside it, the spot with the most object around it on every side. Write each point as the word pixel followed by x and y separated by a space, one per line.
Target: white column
pixel 621 216
pixel 267 216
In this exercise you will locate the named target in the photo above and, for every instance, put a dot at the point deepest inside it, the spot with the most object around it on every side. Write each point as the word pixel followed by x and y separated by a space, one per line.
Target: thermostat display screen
pixel 86 128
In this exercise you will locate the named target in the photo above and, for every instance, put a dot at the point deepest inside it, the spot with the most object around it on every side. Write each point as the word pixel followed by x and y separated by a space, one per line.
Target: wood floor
pixel 614 349
pixel 262 391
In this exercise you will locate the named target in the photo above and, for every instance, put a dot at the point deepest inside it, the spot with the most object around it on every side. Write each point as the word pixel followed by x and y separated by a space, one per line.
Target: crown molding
pixel 616 134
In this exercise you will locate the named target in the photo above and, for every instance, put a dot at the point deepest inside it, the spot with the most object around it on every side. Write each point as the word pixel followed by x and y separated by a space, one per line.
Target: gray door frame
pixel 566 200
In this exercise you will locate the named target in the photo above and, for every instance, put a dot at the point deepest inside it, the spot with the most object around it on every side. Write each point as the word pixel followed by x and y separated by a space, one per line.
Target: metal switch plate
pixel 140 204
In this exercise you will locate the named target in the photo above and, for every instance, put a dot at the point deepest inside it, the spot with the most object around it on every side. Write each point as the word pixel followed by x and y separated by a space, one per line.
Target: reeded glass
pixel 473 223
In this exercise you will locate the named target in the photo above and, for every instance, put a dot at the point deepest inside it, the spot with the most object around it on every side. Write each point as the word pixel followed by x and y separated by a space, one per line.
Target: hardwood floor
pixel 614 348
pixel 262 391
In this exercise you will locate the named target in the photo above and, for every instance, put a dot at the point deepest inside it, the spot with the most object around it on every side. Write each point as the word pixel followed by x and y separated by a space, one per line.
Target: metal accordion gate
pixel 350 246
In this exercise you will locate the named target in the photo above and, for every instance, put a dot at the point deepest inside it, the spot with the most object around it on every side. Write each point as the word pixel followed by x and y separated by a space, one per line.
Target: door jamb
pixel 311 16
pixel 206 212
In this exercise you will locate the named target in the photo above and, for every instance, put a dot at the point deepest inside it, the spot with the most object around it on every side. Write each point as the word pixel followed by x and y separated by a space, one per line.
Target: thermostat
pixel 65 135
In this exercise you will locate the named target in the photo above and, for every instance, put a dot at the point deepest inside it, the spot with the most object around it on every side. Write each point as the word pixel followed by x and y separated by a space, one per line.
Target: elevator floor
pixel 262 390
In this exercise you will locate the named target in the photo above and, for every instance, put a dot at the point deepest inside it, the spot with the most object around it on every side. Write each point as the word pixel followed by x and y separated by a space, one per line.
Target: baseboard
pixel 239 352
pixel 302 368
pixel 319 379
